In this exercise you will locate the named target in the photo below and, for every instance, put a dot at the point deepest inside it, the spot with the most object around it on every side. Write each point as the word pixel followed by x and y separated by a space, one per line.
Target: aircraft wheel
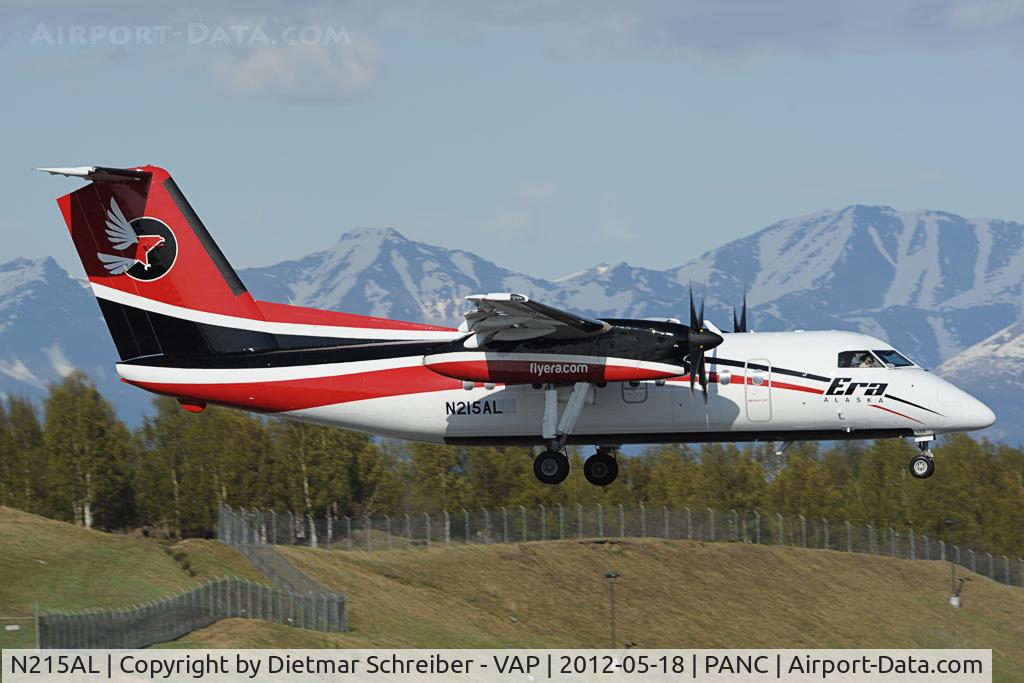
pixel 601 469
pixel 922 466
pixel 551 467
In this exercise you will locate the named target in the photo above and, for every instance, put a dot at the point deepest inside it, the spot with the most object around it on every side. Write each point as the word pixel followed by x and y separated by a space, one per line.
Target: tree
pixel 89 452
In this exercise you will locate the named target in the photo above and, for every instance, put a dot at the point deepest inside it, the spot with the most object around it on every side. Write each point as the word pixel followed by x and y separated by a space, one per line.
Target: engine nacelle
pixel 527 368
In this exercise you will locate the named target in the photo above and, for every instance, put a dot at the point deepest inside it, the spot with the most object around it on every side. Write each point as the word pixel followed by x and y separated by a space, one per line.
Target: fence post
pixel 892 542
pixel 426 516
pixel 368 527
pixel 942 550
pixel 348 531
pixel 487 526
pixel 330 528
pixel 579 520
pixel 291 528
pixel 387 530
pixel 522 510
pixel 689 523
pixel 871 539
pixel 711 524
pixel 927 548
pixel 465 520
pixel 974 563
pixel 408 530
pixel 447 530
pixel 312 530
pixel 543 522
pixel 643 520
pixel 849 537
pixel 757 527
pixel 600 521
pixel 622 522
pixel 913 548
pixel 803 531
pixel 664 513
pixel 782 530
pixel 1006 570
pixel 825 525
pixel 561 522
pixel 956 555
pixel 991 566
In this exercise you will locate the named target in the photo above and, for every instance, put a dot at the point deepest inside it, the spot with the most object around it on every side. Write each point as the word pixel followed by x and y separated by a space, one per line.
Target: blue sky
pixel 547 137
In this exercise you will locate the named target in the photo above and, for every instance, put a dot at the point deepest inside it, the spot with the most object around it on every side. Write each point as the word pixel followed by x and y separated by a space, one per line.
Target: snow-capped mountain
pixel 50 325
pixel 993 370
pixel 932 282
pixel 381 273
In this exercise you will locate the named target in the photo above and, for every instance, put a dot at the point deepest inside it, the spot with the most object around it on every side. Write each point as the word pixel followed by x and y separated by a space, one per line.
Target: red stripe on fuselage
pixel 298 394
pixel 713 378
pixel 895 413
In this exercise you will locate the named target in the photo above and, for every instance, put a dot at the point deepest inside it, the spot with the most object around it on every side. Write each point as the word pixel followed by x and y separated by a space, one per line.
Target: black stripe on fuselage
pixel 146 338
pixel 711 360
pixel 684 437
pixel 359 350
pixel 911 403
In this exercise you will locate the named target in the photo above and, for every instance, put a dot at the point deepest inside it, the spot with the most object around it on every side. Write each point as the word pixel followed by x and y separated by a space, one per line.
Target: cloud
pixel 309 73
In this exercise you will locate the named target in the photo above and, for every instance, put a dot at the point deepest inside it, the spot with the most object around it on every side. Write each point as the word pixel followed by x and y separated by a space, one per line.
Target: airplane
pixel 515 372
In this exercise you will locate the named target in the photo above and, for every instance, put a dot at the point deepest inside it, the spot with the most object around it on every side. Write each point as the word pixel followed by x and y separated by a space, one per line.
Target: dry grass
pixel 671 594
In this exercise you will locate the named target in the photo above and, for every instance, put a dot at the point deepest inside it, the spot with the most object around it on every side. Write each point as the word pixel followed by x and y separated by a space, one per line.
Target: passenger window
pixel 724 377
pixel 858 359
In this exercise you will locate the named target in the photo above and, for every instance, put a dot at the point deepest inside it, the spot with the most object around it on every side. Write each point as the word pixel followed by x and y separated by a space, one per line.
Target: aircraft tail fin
pixel 163 285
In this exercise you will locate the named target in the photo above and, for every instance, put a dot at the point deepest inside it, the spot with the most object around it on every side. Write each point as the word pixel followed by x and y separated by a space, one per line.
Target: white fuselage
pixel 776 385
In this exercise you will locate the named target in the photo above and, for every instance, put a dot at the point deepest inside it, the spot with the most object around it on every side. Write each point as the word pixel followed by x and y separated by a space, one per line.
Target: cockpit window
pixel 858 359
pixel 893 359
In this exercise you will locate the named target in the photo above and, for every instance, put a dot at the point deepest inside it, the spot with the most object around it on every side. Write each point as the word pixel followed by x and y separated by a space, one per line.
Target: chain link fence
pixel 560 522
pixel 172 617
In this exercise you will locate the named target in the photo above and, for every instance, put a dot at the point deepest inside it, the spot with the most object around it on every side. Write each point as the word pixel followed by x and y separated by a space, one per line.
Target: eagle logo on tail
pixel 123 237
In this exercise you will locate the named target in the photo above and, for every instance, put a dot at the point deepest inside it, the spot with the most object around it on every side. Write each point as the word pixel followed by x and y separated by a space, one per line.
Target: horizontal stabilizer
pixel 100 173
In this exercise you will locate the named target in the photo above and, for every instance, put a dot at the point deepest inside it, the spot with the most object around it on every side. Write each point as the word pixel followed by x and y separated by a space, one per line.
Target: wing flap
pixel 508 316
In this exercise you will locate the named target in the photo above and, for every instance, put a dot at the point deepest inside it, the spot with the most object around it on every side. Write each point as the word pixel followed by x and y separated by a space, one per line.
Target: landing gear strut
pixel 923 466
pixel 551 467
pixel 601 468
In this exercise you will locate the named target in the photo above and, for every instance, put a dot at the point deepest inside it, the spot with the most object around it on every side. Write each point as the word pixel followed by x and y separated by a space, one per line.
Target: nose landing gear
pixel 601 468
pixel 923 466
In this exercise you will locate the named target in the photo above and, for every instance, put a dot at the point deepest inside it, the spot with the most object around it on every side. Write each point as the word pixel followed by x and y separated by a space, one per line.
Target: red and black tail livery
pixel 154 267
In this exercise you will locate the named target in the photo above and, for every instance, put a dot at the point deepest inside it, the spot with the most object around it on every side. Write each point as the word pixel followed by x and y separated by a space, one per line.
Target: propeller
pixel 700 339
pixel 740 324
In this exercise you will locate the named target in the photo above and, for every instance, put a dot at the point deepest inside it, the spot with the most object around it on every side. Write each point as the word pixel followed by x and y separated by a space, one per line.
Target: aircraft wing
pixel 513 317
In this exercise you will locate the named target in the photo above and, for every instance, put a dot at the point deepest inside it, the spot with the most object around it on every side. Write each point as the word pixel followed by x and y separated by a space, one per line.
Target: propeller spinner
pixel 700 340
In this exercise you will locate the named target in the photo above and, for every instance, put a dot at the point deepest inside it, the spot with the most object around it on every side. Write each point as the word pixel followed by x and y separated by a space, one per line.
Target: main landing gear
pixel 923 466
pixel 551 466
pixel 601 468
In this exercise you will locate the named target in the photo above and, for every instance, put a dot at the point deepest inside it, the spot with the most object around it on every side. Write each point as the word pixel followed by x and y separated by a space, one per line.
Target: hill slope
pixel 64 567
pixel 672 594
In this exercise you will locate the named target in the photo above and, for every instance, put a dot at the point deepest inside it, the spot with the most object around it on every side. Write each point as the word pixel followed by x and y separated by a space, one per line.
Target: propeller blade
pixel 740 324
pixel 703 377
pixel 695 323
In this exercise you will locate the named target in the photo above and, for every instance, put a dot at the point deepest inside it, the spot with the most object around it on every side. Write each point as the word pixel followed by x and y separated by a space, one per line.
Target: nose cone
pixel 977 415
pixel 964 412
pixel 704 339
